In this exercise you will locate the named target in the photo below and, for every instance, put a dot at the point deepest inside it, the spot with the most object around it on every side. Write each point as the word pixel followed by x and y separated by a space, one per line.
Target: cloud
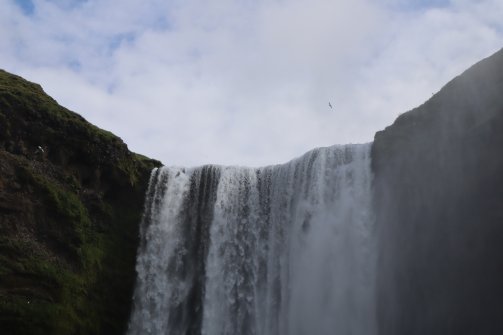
pixel 239 82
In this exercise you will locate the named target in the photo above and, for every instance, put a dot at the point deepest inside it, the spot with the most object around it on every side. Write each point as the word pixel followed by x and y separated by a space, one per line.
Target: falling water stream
pixel 285 249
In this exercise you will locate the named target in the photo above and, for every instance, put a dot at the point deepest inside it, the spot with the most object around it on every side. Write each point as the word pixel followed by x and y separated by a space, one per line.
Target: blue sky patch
pixel 27 6
pixel 116 41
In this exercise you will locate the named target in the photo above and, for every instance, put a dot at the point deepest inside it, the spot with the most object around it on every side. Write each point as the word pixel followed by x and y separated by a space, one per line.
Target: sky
pixel 244 82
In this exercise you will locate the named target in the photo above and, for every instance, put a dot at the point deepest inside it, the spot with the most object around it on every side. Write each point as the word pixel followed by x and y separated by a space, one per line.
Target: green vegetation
pixel 19 93
pixel 45 296
pixel 69 217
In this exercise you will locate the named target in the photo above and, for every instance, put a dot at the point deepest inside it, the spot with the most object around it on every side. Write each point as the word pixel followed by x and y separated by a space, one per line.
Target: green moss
pixel 44 296
pixel 79 297
pixel 18 94
pixel 62 291
pixel 74 258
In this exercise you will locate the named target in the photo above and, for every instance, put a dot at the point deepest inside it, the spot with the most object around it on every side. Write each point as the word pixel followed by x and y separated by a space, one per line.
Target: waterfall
pixel 285 249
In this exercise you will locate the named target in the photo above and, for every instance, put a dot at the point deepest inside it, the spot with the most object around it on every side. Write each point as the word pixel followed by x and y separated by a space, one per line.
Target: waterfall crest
pixel 285 249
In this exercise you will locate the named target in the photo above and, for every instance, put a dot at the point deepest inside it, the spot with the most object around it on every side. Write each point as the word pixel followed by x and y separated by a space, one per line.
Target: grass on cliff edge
pixel 20 93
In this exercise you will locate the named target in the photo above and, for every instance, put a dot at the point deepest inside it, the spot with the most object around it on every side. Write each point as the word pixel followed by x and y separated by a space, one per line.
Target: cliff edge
pixel 439 203
pixel 71 197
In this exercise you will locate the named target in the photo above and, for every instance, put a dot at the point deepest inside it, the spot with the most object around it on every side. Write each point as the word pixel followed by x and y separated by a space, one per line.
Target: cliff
pixel 439 204
pixel 71 197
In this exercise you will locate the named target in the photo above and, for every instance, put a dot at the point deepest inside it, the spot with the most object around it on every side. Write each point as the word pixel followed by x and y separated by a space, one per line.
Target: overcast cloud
pixel 244 82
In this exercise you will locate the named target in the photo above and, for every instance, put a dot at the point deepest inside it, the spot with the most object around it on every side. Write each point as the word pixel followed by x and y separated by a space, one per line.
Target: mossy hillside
pixel 46 279
pixel 18 94
pixel 43 296
pixel 69 217
pixel 30 119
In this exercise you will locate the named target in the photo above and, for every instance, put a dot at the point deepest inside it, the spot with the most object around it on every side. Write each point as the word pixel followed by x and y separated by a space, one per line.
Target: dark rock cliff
pixel 71 197
pixel 439 201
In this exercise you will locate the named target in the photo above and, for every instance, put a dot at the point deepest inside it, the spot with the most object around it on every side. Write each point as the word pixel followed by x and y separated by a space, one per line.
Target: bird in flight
pixel 330 105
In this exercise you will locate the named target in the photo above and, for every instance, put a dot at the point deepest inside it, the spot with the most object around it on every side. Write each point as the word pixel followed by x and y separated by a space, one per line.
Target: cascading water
pixel 285 249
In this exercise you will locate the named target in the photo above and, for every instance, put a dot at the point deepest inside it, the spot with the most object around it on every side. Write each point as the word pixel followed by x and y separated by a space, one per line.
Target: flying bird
pixel 330 105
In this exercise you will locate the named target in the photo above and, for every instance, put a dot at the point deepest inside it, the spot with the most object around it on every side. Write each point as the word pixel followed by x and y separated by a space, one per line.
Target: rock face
pixel 439 201
pixel 71 197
